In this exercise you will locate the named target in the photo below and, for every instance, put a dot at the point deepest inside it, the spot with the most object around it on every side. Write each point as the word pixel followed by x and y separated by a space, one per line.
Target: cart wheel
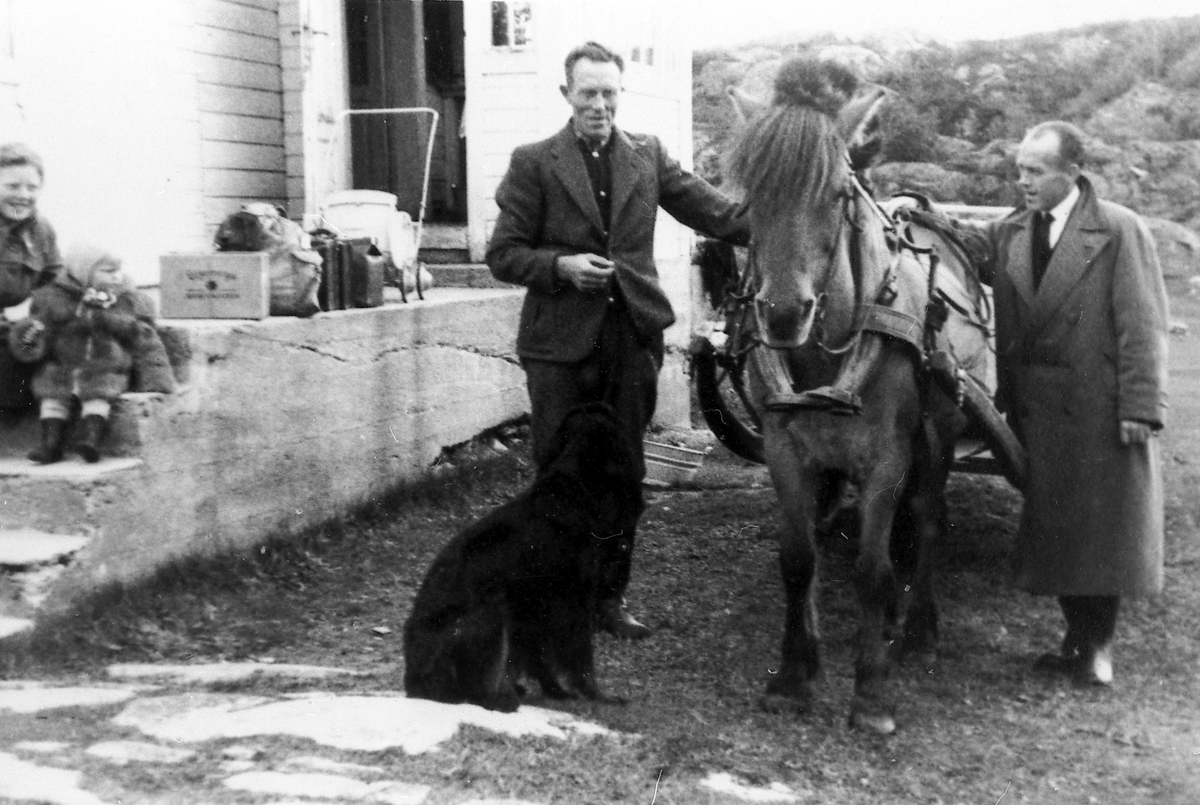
pixel 725 404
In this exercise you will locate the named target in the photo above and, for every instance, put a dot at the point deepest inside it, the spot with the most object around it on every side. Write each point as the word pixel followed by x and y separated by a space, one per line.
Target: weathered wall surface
pixel 284 424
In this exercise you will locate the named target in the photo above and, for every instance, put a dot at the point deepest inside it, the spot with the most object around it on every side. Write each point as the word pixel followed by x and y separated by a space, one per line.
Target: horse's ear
pixel 859 122
pixel 746 106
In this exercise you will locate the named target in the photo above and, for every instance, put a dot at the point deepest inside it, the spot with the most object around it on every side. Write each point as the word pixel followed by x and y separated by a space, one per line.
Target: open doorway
pixel 408 54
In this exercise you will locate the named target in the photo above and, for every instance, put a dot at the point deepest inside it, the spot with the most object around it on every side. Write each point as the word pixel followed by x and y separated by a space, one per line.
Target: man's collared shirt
pixel 598 160
pixel 1061 212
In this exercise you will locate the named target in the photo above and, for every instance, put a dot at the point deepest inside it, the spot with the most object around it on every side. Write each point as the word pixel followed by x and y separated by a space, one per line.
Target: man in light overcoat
pixel 576 228
pixel 1081 344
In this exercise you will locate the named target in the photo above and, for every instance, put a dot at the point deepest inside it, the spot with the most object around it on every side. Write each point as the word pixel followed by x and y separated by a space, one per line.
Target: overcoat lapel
pixel 1021 268
pixel 626 169
pixel 1082 240
pixel 569 167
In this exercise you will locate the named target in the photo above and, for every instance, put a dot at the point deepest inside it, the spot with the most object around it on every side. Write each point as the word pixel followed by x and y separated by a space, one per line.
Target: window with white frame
pixel 511 24
pixel 642 53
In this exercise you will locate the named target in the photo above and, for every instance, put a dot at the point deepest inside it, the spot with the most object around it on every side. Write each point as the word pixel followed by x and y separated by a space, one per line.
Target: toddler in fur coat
pixel 90 330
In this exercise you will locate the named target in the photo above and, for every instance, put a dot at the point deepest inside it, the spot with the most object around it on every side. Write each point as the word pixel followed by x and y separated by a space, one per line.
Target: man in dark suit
pixel 576 228
pixel 1081 343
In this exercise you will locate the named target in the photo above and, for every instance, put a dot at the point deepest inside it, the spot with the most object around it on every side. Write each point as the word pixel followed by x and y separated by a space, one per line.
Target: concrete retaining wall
pixel 288 421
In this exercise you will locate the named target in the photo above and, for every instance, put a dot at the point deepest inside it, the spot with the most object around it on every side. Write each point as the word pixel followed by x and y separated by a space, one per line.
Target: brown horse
pixel 848 411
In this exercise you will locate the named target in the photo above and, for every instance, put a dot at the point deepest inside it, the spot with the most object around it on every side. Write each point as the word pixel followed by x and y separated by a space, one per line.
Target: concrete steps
pixel 30 563
pixel 443 244
pixel 463 275
pixel 48 514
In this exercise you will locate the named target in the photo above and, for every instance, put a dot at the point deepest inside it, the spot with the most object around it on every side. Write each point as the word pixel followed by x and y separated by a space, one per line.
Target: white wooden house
pixel 159 117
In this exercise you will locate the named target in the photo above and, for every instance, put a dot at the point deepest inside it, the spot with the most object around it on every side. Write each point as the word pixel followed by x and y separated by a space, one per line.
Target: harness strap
pixel 889 321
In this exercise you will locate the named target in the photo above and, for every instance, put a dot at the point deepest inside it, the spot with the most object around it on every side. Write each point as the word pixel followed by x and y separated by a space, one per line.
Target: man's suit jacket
pixel 1075 356
pixel 547 209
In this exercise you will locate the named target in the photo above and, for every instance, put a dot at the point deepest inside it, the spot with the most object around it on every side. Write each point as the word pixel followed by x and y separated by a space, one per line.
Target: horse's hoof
pixel 879 723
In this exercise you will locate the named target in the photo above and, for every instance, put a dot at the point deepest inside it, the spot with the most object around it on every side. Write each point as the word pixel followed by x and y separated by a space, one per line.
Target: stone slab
pixel 356 723
pixel 123 753
pixel 725 783
pixel 71 468
pixel 21 781
pixel 328 786
pixel 34 697
pixel 208 673
pixel 22 547
pixel 12 626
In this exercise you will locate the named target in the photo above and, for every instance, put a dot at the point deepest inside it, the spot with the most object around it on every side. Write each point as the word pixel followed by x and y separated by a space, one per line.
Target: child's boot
pixel 91 430
pixel 51 448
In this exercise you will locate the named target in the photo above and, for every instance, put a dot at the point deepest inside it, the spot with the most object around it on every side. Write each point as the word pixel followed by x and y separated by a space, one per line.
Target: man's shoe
pixel 1095 668
pixel 1058 664
pixel 1067 662
pixel 614 619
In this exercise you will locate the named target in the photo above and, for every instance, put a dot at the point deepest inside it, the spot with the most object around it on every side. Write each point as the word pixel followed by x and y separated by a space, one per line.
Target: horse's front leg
pixel 790 686
pixel 875 584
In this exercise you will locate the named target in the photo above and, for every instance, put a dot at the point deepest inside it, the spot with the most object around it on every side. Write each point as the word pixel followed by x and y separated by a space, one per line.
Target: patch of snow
pixel 20 780
pixel 329 786
pixel 321 764
pixel 725 783
pixel 32 697
pixel 361 723
pixel 223 671
pixel 124 752
pixel 11 626
pixel 242 752
pixel 42 747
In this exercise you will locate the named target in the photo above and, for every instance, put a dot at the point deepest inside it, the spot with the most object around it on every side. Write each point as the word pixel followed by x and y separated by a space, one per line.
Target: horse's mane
pixel 789 153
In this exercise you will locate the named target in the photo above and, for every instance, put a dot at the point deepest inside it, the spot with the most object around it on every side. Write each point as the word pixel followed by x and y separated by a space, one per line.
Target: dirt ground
pixel 976 726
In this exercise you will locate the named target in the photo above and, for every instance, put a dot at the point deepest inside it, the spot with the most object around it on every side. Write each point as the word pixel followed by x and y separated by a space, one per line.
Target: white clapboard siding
pixel 508 116
pixel 240 104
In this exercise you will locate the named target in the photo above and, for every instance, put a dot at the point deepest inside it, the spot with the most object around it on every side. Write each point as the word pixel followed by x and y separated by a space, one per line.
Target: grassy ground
pixel 976 726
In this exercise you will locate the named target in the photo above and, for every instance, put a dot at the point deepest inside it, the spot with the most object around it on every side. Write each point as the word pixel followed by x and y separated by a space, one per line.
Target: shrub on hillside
pixel 910 135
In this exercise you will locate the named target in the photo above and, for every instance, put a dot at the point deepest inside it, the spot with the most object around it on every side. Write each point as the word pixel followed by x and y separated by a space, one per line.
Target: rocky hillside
pixel 960 111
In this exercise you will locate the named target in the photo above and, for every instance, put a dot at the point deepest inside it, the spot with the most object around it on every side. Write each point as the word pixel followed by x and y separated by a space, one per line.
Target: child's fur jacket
pixel 92 351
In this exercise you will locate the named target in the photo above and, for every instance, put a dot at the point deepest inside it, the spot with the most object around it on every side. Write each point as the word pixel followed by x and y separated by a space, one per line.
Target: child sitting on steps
pixel 90 330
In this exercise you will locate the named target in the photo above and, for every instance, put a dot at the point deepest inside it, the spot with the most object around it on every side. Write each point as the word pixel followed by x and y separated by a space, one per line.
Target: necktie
pixel 1041 246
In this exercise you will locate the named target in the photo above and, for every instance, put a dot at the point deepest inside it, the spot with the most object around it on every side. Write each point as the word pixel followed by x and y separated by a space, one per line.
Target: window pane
pixel 522 32
pixel 499 23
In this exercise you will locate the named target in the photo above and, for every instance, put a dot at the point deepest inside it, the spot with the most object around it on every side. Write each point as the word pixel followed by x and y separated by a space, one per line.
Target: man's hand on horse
pixel 892 206
pixel 1135 432
pixel 589 273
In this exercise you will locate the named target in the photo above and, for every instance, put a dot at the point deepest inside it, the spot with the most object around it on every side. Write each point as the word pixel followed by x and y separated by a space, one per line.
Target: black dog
pixel 516 592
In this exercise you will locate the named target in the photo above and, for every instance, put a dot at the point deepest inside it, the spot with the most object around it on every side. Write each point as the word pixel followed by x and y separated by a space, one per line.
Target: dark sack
pixel 294 269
